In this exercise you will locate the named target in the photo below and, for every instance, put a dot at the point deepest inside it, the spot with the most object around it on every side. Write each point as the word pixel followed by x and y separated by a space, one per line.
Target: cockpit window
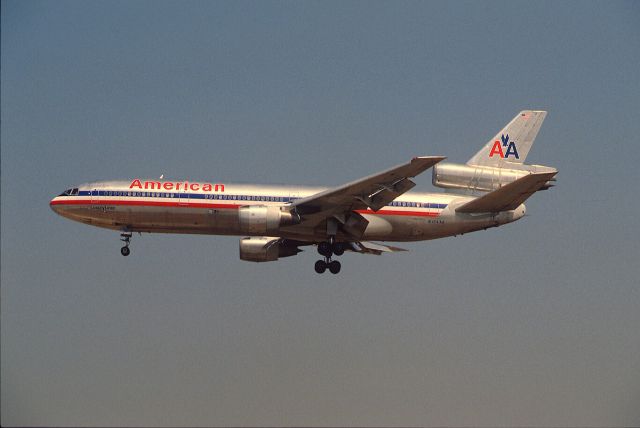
pixel 70 192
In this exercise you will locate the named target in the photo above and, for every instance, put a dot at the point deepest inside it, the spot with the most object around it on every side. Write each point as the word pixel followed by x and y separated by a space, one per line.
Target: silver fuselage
pixel 161 206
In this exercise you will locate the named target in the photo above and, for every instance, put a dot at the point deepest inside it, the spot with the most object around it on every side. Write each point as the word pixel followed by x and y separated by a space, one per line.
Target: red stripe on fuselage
pixel 147 204
pixel 401 213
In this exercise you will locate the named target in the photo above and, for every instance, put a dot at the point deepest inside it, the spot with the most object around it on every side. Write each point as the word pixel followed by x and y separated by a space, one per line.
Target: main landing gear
pixel 126 238
pixel 328 249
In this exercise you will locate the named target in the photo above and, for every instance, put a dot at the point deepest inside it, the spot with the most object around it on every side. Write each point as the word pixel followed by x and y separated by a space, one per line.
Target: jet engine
pixel 484 178
pixel 260 219
pixel 266 249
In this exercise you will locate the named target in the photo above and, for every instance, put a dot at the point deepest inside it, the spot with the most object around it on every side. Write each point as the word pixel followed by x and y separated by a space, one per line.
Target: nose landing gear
pixel 328 249
pixel 126 238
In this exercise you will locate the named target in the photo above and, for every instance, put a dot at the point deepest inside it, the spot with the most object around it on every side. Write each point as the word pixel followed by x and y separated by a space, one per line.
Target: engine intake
pixel 262 219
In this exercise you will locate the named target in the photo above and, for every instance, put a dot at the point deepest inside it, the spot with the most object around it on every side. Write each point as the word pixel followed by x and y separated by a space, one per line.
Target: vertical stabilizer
pixel 511 145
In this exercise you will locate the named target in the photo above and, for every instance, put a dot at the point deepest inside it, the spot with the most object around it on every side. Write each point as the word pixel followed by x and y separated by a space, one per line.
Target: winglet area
pixel 508 197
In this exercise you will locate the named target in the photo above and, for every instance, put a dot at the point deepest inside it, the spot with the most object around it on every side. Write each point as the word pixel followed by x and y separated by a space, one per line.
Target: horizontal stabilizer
pixel 365 247
pixel 510 196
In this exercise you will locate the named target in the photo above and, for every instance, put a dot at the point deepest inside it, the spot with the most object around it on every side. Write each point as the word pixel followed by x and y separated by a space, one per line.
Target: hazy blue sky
pixel 536 323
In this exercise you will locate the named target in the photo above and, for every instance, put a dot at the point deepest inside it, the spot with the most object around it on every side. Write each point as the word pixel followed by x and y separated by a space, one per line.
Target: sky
pixel 535 323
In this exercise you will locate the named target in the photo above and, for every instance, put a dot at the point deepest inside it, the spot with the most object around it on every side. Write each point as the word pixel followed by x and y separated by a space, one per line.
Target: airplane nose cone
pixel 54 207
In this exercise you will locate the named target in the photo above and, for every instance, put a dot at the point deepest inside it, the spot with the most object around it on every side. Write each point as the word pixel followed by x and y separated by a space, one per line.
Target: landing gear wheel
pixel 334 267
pixel 321 266
pixel 324 249
pixel 328 249
pixel 126 238
pixel 338 248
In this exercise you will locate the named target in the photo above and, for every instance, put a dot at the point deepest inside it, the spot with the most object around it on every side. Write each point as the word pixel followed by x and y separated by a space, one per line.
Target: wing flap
pixel 387 194
pixel 510 196
pixel 365 247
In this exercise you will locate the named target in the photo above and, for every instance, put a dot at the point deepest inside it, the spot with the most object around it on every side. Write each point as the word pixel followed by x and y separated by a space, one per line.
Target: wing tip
pixel 428 159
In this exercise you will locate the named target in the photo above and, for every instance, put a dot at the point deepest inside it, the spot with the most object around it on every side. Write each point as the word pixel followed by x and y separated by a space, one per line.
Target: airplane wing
pixel 374 191
pixel 365 247
pixel 510 196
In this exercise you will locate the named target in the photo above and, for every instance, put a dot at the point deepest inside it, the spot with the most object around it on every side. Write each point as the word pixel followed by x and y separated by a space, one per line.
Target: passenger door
pixel 94 196
pixel 183 198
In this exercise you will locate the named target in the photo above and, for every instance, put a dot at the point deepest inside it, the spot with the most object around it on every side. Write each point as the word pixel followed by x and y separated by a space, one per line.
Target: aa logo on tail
pixel 509 145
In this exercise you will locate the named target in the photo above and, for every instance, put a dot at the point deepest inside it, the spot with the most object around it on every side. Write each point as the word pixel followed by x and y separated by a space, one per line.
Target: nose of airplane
pixel 54 206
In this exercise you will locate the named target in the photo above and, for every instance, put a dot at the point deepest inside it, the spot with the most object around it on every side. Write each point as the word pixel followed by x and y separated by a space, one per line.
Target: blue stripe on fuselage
pixel 240 198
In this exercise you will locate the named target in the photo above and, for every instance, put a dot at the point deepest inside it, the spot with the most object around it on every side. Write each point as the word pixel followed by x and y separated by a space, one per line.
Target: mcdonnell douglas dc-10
pixel 487 191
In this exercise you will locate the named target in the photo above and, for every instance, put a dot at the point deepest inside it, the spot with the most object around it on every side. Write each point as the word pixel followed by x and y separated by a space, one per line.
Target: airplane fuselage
pixel 160 206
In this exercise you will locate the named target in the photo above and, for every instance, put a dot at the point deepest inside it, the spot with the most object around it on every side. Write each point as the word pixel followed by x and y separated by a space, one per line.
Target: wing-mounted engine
pixel 483 178
pixel 262 219
pixel 266 248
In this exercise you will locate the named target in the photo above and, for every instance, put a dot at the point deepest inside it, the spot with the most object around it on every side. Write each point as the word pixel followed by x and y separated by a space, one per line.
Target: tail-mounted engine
pixel 266 249
pixel 262 219
pixel 484 178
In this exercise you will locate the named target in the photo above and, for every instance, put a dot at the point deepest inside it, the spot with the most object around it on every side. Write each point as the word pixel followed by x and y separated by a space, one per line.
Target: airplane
pixel 276 220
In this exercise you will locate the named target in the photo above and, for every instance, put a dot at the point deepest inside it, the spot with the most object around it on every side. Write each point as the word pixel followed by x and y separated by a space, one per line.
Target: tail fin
pixel 512 144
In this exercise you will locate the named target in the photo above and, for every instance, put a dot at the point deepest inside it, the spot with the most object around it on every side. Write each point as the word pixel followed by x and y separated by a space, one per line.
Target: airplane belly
pixel 379 227
pixel 422 228
pixel 185 220
pixel 157 219
pixel 95 215
pixel 395 228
